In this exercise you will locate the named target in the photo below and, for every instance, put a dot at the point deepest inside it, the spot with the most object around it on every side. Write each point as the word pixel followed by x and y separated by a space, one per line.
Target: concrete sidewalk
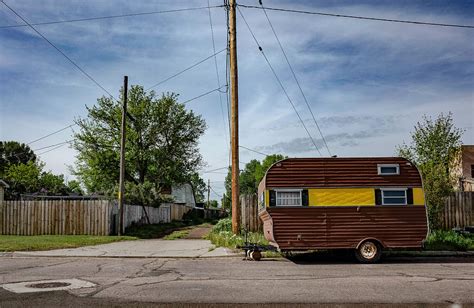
pixel 155 248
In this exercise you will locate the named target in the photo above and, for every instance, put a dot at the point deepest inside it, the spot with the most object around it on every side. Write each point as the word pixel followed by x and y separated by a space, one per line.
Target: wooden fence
pixel 249 219
pixel 458 210
pixel 78 217
pixel 55 217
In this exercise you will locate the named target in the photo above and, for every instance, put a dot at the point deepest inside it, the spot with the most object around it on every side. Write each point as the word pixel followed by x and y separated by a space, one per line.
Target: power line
pixel 110 17
pixel 204 94
pixel 296 79
pixel 219 195
pixel 59 50
pixel 53 133
pixel 357 17
pixel 186 69
pixel 174 75
pixel 217 169
pixel 217 74
pixel 55 148
pixel 53 145
pixel 279 81
pixel 251 150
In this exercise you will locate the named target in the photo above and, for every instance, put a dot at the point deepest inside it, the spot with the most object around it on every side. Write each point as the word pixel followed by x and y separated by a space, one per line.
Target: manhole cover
pixel 46 285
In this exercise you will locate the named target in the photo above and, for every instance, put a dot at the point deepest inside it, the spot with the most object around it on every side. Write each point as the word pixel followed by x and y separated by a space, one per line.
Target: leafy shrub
pixel 221 235
pixel 223 225
pixel 449 240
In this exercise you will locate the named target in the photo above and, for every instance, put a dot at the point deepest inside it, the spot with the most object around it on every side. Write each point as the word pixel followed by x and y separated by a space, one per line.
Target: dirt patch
pixel 198 233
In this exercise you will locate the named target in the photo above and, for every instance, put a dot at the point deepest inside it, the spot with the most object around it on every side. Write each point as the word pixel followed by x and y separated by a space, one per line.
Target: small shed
pixel 3 185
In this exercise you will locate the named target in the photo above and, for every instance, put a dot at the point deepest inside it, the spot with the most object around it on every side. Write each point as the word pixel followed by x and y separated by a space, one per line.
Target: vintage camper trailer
pixel 365 204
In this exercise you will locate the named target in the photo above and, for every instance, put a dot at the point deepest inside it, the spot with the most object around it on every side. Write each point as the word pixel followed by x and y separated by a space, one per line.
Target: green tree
pixel 199 187
pixel 14 153
pixel 52 184
pixel 213 204
pixel 162 141
pixel 23 178
pixel 250 177
pixel 74 186
pixel 266 164
pixel 434 149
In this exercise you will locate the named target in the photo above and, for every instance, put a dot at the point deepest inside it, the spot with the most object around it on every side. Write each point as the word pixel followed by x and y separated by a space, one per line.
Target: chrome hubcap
pixel 368 250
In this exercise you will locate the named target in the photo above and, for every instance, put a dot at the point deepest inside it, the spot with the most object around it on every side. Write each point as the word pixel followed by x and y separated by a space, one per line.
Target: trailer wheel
pixel 256 255
pixel 368 252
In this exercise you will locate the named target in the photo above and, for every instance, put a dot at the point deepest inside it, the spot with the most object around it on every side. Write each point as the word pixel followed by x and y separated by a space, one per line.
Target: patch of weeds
pixel 449 240
pixel 177 235
pixel 221 235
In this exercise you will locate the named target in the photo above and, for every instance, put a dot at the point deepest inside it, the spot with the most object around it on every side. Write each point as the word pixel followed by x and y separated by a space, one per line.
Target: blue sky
pixel 367 82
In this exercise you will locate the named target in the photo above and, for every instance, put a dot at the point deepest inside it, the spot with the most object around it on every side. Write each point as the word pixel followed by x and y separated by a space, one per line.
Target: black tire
pixel 368 252
pixel 256 255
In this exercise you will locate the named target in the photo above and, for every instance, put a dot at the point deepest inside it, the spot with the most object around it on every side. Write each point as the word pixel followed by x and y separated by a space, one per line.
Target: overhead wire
pixel 296 80
pixel 53 145
pixel 279 81
pixel 51 134
pixel 55 148
pixel 204 94
pixel 185 70
pixel 212 189
pixel 163 81
pixel 110 17
pixel 251 150
pixel 357 17
pixel 59 50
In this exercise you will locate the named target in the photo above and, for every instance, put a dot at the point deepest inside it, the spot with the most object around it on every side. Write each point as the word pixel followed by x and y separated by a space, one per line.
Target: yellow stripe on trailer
pixel 418 196
pixel 341 197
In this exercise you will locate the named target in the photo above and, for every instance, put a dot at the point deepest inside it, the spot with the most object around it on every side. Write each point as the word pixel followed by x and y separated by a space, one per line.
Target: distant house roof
pixel 3 183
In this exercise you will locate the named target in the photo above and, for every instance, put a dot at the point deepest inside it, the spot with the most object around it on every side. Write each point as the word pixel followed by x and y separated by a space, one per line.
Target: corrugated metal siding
pixel 323 227
pixel 339 172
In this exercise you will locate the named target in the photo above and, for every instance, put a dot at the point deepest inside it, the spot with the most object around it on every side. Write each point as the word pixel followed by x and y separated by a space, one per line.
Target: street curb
pixel 14 255
pixel 430 253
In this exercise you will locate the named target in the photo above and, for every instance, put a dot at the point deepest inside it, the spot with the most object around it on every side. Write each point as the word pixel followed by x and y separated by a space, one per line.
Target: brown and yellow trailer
pixel 365 204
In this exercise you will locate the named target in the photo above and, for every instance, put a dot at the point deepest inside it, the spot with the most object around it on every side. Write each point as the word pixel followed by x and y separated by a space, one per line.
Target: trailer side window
pixel 288 198
pixel 394 196
pixel 388 169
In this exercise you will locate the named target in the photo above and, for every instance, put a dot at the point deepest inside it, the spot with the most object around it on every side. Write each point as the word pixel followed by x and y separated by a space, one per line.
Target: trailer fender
pixel 381 243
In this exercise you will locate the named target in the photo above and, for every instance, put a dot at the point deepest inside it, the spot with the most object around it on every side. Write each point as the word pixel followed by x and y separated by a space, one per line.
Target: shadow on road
pixel 347 257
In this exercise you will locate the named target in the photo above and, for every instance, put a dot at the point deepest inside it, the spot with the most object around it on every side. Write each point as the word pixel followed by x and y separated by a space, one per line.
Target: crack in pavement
pixel 436 279
pixel 35 266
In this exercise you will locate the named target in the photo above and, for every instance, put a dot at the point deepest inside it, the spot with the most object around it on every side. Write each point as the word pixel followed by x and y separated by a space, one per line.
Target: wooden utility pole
pixel 208 191
pixel 122 157
pixel 234 109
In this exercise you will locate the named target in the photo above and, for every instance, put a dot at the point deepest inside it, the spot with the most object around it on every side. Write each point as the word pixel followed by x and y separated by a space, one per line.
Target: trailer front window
pixel 388 169
pixel 288 198
pixel 394 197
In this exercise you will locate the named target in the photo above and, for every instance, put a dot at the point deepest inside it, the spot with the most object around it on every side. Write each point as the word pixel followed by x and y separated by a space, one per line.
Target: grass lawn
pixel 177 235
pixel 47 242
pixel 449 240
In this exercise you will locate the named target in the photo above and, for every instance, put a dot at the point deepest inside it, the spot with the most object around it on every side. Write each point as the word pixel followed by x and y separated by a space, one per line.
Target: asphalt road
pixel 325 280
